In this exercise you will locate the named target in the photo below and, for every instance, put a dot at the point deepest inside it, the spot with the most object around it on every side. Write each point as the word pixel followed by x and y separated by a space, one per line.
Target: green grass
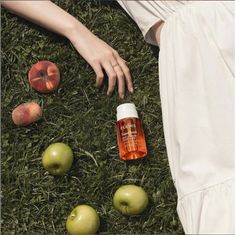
pixel 34 202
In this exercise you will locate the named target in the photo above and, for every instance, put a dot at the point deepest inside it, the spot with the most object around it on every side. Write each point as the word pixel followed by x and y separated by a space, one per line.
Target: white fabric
pixel 147 13
pixel 197 87
pixel 210 210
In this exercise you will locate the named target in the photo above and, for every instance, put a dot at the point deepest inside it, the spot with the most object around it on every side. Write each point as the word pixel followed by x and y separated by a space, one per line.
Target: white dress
pixel 197 87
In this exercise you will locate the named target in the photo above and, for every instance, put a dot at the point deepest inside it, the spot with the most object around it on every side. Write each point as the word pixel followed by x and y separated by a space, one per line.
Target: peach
pixel 44 76
pixel 26 113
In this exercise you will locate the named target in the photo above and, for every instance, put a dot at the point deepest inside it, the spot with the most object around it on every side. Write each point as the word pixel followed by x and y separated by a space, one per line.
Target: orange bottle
pixel 130 133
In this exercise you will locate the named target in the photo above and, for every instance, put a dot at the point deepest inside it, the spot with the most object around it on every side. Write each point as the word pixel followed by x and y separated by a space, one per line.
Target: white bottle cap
pixel 126 110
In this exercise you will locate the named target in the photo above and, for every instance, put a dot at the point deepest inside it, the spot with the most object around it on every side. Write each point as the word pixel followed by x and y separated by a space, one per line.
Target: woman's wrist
pixel 76 31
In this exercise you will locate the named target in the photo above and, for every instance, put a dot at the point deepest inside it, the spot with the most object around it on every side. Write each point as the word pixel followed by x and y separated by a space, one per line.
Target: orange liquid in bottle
pixel 131 139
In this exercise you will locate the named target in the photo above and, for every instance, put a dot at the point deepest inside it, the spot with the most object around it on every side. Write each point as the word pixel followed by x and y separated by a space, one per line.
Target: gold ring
pixel 115 65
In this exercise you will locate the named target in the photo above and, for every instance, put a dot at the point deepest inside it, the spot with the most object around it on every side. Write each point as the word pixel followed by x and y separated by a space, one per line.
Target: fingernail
pixel 122 96
pixel 131 90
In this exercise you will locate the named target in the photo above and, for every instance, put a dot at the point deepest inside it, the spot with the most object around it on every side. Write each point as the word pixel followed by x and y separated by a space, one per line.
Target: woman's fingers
pixel 127 74
pixel 116 69
pixel 99 74
pixel 125 70
pixel 120 77
pixel 121 80
pixel 111 75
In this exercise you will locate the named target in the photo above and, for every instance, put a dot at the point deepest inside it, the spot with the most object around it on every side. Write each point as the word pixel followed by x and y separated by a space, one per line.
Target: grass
pixel 34 202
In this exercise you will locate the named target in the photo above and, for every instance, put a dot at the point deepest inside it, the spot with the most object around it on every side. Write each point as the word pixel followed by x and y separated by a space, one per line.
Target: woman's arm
pixel 95 51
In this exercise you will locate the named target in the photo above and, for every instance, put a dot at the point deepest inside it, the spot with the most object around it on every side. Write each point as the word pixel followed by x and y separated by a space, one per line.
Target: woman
pixel 197 86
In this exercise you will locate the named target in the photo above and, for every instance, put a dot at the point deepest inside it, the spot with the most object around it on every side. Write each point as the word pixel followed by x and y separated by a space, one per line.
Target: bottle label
pixel 129 134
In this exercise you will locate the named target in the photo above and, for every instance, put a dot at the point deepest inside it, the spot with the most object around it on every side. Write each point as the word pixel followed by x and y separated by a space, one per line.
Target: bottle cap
pixel 126 110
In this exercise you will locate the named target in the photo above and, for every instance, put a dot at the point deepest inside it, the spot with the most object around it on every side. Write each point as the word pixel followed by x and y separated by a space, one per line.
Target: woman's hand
pixel 102 57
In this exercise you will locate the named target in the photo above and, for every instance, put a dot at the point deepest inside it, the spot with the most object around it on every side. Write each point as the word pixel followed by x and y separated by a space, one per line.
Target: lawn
pixel 35 202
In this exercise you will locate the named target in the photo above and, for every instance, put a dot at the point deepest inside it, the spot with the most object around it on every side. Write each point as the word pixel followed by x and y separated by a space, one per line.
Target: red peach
pixel 26 113
pixel 44 76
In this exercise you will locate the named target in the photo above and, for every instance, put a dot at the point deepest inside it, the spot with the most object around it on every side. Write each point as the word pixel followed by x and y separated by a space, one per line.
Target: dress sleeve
pixel 143 14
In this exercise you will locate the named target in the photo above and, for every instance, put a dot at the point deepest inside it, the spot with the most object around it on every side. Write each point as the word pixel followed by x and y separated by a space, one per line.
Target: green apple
pixel 57 158
pixel 130 199
pixel 83 220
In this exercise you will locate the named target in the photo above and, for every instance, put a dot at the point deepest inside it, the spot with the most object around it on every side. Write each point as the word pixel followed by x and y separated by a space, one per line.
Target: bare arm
pixel 95 51
pixel 46 14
